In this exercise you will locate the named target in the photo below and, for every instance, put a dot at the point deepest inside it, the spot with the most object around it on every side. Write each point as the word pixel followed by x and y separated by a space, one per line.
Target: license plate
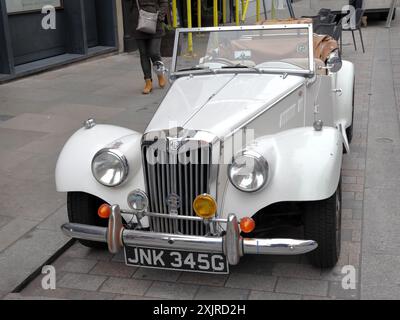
pixel 176 260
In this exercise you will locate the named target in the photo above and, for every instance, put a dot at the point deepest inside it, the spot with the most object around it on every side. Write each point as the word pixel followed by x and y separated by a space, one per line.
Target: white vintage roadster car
pixel 250 135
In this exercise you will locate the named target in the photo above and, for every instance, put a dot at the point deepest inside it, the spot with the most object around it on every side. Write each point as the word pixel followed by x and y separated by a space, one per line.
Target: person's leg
pixel 155 56
pixel 143 46
pixel 155 50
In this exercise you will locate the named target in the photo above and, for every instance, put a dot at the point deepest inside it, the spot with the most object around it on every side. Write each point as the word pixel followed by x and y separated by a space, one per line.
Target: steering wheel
pixel 223 61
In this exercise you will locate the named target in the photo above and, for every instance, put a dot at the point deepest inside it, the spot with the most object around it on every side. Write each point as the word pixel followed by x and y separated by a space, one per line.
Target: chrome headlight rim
pixel 121 158
pixel 257 157
pixel 334 61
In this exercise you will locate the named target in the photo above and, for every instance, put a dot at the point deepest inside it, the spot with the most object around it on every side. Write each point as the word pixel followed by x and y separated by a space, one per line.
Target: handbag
pixel 147 20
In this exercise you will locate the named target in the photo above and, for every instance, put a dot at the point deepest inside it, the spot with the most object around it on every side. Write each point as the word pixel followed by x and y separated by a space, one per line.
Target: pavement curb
pixel 38 271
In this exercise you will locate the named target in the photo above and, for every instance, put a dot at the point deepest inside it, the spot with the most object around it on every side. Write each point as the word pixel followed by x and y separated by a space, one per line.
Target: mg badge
pixel 174 145
pixel 173 202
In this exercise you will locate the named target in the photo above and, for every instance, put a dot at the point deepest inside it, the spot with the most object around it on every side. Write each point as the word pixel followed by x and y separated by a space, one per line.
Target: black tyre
pixel 82 208
pixel 322 223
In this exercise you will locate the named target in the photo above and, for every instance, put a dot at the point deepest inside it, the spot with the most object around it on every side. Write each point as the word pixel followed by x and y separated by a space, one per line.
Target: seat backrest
pixel 324 45
pixel 286 21
pixel 325 28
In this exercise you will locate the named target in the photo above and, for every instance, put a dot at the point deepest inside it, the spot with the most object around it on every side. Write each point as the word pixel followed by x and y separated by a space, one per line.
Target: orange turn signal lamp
pixel 104 211
pixel 247 225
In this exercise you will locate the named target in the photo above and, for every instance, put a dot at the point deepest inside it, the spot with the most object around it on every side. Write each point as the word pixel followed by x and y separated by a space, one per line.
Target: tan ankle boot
pixel 162 81
pixel 148 87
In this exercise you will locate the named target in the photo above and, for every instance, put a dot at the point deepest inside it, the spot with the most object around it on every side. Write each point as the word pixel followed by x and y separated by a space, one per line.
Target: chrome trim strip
pixel 252 27
pixel 175 52
pixel 311 48
pixel 174 217
pixel 244 71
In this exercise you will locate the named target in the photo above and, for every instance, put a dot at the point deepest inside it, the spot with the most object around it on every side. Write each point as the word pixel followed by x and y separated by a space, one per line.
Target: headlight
pixel 110 167
pixel 248 171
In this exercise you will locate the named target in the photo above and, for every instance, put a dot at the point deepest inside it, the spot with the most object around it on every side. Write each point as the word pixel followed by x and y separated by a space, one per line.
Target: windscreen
pixel 260 48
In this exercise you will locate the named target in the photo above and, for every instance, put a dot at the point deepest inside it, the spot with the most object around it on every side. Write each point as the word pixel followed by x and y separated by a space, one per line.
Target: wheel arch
pixel 305 165
pixel 73 170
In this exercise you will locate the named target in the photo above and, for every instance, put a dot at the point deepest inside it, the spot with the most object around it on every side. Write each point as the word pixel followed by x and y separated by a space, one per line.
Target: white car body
pixel 281 110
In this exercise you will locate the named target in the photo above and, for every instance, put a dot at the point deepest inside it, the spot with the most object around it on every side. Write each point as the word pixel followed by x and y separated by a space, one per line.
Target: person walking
pixel 358 4
pixel 149 44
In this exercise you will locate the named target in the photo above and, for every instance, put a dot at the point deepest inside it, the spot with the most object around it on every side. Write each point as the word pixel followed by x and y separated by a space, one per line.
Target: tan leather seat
pixel 286 21
pixel 323 45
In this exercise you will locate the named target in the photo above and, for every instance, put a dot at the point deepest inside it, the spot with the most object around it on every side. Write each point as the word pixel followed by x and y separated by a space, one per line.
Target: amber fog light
pixel 205 206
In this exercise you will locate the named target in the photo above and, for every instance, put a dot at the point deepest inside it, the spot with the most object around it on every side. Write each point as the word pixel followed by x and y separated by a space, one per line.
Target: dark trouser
pixel 356 3
pixel 149 52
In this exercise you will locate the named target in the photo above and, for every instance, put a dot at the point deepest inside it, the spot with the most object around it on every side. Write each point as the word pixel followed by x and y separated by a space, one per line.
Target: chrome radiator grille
pixel 170 180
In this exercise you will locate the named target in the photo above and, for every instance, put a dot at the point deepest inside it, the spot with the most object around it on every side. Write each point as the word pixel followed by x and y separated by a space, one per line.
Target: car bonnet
pixel 220 103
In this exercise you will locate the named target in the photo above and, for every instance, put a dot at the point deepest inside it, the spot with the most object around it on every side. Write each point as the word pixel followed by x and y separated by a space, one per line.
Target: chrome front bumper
pixel 231 244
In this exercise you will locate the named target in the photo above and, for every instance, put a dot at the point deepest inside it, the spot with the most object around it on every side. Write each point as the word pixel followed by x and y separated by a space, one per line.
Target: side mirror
pixel 334 62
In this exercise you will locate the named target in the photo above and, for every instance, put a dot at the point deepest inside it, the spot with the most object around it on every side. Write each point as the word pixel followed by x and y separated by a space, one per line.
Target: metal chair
pixel 324 16
pixel 359 13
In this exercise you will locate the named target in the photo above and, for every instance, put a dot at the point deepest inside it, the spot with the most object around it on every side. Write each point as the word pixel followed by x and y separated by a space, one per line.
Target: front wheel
pixel 82 208
pixel 322 223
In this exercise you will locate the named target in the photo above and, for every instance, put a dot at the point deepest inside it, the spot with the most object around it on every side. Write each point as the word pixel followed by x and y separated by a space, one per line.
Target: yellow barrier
pixel 237 13
pixel 199 13
pixel 273 11
pixel 216 14
pixel 174 15
pixel 239 16
pixel 189 18
pixel 224 11
pixel 244 9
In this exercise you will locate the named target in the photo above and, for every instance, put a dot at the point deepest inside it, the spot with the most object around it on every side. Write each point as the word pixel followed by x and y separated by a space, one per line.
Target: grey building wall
pixel 84 28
